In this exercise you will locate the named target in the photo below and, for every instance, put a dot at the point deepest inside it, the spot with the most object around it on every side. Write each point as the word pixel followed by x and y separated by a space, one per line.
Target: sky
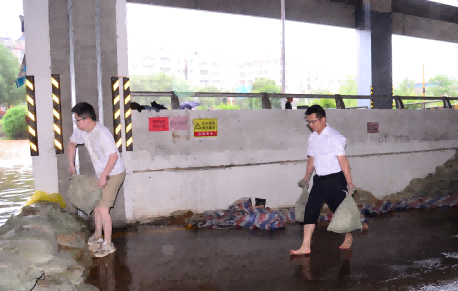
pixel 243 37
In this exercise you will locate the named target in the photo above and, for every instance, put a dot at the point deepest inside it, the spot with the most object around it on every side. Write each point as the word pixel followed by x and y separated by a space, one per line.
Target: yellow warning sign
pixel 205 127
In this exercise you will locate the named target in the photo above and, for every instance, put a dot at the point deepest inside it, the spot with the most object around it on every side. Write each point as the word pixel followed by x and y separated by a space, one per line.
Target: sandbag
pixel 346 218
pixel 84 193
pixel 299 208
pixel 41 196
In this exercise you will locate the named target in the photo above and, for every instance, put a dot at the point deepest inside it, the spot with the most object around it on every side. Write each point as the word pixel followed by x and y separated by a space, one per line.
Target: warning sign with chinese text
pixel 205 127
pixel 158 124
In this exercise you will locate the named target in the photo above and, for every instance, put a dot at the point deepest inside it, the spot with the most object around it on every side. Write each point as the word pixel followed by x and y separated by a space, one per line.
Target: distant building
pixel 419 88
pixel 17 47
pixel 205 69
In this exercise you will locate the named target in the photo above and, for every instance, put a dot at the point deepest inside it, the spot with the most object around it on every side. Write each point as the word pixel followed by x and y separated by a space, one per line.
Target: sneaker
pixel 92 241
pixel 104 250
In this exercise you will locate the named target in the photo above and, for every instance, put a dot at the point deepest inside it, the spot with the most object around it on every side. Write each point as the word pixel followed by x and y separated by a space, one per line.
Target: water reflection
pixel 16 176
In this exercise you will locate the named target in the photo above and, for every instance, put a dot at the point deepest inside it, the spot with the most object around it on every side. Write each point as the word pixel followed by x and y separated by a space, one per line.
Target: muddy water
pixel 16 176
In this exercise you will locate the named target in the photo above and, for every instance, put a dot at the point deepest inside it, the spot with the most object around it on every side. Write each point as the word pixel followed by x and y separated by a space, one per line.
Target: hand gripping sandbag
pixel 346 218
pixel 84 193
pixel 299 208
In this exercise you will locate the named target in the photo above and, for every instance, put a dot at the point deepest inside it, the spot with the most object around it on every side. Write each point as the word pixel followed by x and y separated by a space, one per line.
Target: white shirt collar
pixel 324 132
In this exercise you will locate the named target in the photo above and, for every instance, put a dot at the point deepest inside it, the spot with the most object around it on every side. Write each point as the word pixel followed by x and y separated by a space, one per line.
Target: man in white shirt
pixel 326 154
pixel 108 166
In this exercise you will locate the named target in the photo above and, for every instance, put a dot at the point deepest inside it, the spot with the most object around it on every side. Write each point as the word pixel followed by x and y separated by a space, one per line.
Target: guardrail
pixel 265 97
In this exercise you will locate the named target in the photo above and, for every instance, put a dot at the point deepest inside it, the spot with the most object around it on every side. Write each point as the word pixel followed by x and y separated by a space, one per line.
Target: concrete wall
pixel 263 154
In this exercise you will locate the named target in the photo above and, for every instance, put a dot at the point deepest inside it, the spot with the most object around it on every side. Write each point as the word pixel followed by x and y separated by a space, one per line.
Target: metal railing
pixel 265 97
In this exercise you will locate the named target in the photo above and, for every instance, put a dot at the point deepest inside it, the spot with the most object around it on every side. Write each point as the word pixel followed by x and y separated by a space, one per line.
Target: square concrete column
pixel 373 21
pixel 36 28
pixel 59 40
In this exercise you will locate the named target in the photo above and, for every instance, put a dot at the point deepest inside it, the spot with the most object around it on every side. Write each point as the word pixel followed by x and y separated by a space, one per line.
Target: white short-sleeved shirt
pixel 100 144
pixel 325 148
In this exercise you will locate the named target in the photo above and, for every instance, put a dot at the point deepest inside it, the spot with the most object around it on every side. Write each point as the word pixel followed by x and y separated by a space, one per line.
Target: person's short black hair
pixel 317 109
pixel 84 110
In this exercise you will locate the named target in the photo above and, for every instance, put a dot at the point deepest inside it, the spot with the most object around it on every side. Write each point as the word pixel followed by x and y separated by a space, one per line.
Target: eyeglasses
pixel 310 122
pixel 78 120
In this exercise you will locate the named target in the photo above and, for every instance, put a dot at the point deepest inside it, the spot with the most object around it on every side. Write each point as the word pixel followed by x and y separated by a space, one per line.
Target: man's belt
pixel 329 176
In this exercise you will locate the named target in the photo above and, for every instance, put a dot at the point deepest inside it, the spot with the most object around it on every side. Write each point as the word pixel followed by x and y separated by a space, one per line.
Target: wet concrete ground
pixel 411 250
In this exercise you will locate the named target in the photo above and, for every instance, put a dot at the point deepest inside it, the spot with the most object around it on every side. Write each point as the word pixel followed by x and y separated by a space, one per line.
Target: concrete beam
pixel 413 26
pixel 319 11
pixel 338 13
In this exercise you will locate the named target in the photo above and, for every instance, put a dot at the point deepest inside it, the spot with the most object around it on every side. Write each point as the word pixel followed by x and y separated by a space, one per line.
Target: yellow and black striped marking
pixel 116 112
pixel 57 113
pixel 32 115
pixel 128 114
pixel 372 101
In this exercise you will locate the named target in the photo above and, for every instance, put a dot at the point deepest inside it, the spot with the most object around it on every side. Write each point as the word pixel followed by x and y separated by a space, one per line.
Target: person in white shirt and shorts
pixel 326 154
pixel 108 166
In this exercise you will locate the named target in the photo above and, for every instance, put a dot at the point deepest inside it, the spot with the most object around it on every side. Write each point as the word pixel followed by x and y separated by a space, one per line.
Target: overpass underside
pixel 415 18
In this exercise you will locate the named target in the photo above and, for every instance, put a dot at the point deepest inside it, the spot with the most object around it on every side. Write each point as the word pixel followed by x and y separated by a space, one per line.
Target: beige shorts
pixel 110 191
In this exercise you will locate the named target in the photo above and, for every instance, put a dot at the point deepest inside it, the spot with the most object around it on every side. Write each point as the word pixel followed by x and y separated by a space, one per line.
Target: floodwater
pixel 16 176
pixel 409 250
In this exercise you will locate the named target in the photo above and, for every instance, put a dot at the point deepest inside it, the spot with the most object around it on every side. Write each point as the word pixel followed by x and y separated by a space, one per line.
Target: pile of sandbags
pixel 43 248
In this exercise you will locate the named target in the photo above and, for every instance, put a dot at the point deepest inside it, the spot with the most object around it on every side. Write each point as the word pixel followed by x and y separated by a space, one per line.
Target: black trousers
pixel 327 189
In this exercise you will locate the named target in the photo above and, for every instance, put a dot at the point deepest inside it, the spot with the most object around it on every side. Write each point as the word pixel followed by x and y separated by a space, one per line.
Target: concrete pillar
pixel 60 64
pixel 38 54
pixel 373 21
pixel 79 40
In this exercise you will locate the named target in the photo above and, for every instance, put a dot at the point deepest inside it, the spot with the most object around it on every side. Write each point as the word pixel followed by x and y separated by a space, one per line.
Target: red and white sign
pixel 158 124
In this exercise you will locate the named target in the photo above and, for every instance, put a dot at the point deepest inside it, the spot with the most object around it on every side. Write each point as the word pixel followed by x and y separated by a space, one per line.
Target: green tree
pixel 323 102
pixel 208 102
pixel 407 88
pixel 9 68
pixel 14 123
pixel 227 107
pixel 159 82
pixel 443 85
pixel 264 85
pixel 349 87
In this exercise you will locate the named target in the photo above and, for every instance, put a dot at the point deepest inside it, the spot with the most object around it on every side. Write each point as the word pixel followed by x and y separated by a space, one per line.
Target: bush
pixel 2 133
pixel 227 107
pixel 14 123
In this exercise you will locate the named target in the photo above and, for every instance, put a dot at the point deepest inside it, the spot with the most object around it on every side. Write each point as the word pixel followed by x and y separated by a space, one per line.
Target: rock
pixel 24 238
pixel 416 185
pixel 17 273
pixel 179 217
pixel 325 210
pixel 443 182
pixel 194 219
pixel 76 254
pixel 452 163
pixel 42 209
pixel 152 220
pixel 58 265
pixel 363 197
pixel 38 251
pixel 87 287
pixel 15 221
pixel 179 213
pixel 65 223
pixel 54 285
pixel 72 241
pixel 34 238
pixel 74 274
